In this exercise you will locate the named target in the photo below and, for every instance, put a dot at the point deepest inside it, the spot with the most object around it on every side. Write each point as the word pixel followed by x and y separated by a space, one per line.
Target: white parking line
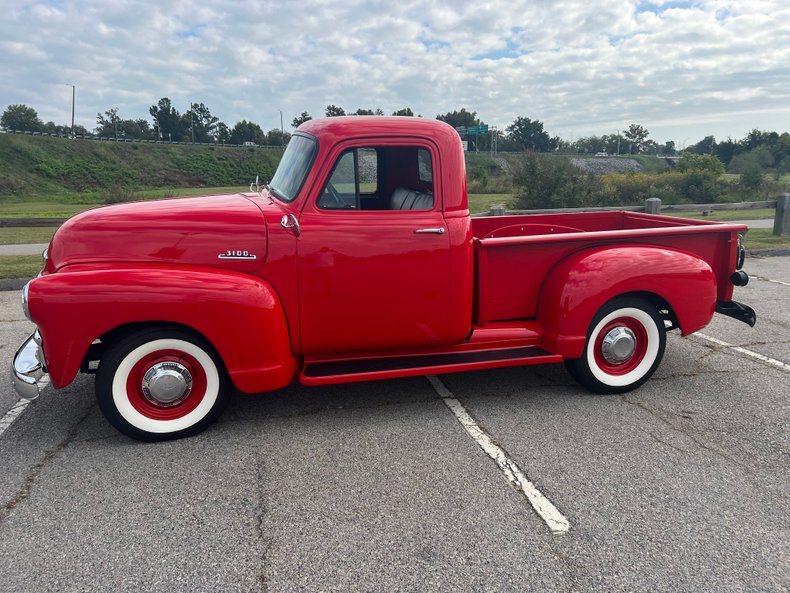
pixel 764 279
pixel 772 361
pixel 12 414
pixel 542 505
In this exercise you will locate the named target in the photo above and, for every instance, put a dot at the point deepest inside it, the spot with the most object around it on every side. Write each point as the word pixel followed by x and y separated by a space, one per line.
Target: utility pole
pixel 73 97
pixel 618 142
pixel 282 129
pixel 192 120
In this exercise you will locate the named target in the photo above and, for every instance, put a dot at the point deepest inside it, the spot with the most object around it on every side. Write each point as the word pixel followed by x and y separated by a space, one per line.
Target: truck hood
pixel 225 231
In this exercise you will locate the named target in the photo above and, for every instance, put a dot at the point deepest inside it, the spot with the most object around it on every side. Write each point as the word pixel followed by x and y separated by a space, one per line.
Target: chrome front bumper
pixel 28 369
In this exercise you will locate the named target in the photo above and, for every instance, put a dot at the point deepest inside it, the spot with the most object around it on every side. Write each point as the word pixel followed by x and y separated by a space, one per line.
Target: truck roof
pixel 363 125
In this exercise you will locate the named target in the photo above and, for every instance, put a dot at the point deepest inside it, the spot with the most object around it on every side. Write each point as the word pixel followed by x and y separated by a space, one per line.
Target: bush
pixel 549 182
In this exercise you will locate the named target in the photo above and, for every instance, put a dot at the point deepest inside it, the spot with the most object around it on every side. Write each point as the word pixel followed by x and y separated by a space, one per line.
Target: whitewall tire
pixel 624 346
pixel 158 384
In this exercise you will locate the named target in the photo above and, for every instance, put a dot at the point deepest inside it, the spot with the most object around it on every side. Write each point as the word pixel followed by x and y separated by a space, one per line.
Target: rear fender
pixel 578 286
pixel 239 314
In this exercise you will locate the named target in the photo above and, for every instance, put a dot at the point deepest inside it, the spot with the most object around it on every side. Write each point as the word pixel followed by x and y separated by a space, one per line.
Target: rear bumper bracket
pixel 737 311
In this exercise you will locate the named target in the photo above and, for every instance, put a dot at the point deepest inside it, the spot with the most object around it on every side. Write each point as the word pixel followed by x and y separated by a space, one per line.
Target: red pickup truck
pixel 358 261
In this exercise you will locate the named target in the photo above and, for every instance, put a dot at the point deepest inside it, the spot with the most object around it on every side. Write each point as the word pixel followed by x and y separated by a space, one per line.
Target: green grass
pixel 21 235
pixel 20 266
pixel 765 239
pixel 752 214
pixel 44 169
pixel 484 202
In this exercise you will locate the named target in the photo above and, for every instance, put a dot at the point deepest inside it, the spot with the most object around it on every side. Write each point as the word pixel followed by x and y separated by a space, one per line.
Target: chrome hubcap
pixel 619 345
pixel 167 383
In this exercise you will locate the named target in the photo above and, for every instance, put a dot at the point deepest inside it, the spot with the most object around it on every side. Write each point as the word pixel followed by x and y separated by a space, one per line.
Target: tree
pixel 107 127
pixel 168 119
pixel 22 118
pixel 276 137
pixel 300 119
pixel 361 111
pixel 334 111
pixel 700 162
pixel 51 128
pixel 636 136
pixel 223 133
pixel 529 134
pixel 247 131
pixel 668 147
pixel 705 146
pixel 460 118
pixel 200 121
pixel 136 128
pixel 405 112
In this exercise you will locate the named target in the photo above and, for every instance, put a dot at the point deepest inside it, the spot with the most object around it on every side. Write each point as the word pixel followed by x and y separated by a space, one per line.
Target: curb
pixel 767 252
pixel 12 283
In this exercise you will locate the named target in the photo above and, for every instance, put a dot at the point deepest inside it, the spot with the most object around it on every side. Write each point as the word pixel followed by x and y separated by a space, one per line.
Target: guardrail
pixel 652 206
pixel 138 140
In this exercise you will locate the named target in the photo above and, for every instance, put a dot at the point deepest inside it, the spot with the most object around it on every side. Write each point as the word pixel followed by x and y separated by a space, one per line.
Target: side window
pixel 354 180
pixel 397 177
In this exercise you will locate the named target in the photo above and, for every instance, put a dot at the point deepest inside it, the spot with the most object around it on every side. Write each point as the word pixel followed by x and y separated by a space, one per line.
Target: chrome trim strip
pixel 436 231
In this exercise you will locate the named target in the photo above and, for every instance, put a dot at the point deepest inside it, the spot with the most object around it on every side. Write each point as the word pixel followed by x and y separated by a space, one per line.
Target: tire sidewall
pixel 587 371
pixel 117 363
pixel 644 367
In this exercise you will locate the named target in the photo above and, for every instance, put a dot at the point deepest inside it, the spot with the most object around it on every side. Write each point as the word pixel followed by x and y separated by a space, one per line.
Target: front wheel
pixel 159 384
pixel 625 344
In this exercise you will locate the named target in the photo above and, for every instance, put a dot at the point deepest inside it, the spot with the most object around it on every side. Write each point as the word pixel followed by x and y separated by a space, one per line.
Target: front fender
pixel 239 314
pixel 582 283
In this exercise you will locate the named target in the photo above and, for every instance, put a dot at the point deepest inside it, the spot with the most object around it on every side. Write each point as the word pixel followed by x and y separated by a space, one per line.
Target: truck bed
pixel 513 254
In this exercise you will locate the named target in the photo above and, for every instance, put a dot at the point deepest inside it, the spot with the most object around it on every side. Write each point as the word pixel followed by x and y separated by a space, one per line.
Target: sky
pixel 682 69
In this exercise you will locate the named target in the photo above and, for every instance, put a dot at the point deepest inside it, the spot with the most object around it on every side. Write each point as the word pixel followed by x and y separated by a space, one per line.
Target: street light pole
pixel 73 98
pixel 73 95
pixel 282 129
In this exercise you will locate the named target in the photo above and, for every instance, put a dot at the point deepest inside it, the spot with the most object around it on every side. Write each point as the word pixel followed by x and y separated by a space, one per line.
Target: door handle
pixel 435 230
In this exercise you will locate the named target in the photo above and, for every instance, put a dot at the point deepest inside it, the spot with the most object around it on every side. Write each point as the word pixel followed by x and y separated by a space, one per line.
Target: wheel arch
pixel 116 334
pixel 238 314
pixel 678 283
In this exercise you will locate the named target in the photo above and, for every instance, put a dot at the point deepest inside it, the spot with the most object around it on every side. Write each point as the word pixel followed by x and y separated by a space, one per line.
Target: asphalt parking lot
pixel 681 485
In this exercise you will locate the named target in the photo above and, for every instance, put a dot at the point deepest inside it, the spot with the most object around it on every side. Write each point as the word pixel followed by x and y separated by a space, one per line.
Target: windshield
pixel 293 168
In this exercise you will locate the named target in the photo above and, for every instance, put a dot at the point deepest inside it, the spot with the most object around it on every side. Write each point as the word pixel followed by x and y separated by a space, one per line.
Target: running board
pixel 349 371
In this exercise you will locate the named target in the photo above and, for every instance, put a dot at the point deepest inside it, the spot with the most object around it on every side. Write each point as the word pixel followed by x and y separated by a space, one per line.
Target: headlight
pixel 25 307
pixel 741 253
pixel 45 255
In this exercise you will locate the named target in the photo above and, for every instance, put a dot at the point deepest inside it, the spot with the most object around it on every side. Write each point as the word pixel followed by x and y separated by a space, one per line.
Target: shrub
pixel 547 182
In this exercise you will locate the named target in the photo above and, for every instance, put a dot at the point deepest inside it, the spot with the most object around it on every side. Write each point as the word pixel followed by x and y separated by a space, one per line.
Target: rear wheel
pixel 159 384
pixel 625 344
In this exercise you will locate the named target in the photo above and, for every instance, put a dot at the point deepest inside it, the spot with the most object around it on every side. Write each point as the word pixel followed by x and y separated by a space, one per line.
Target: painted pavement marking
pixel 542 505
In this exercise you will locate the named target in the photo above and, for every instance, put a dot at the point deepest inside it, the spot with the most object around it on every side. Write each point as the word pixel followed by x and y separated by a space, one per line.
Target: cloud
pixel 683 69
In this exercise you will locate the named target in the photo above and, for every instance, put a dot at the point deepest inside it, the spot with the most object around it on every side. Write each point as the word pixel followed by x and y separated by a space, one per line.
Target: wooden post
pixel 782 216
pixel 498 210
pixel 653 206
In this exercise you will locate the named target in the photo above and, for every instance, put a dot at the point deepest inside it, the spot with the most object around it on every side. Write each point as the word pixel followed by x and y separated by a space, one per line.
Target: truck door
pixel 373 252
